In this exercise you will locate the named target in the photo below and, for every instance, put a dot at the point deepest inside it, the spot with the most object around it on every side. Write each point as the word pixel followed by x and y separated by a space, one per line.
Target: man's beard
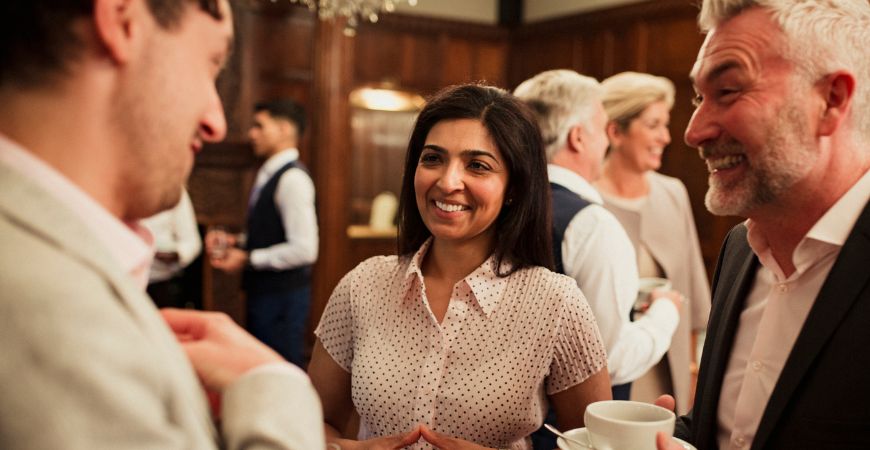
pixel 787 155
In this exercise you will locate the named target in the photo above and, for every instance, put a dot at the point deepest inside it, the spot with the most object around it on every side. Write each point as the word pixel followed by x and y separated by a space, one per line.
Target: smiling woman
pixel 463 339
pixel 655 211
pixel 460 183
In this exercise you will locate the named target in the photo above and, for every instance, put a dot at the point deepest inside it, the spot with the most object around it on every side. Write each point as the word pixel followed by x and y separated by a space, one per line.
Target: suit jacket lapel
pixel 734 276
pixel 838 293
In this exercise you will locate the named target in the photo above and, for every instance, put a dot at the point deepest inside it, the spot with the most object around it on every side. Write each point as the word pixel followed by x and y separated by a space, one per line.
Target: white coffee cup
pixel 645 286
pixel 626 425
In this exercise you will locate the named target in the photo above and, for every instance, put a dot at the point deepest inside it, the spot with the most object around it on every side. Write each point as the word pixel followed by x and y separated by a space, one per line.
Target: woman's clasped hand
pixel 400 441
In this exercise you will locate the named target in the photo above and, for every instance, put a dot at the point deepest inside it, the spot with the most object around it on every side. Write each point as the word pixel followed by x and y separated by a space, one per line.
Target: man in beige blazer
pixel 102 106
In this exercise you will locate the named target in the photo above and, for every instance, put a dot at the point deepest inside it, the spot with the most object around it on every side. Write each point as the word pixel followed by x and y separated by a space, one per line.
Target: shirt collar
pixel 574 183
pixel 836 224
pixel 129 243
pixel 828 234
pixel 486 286
pixel 280 159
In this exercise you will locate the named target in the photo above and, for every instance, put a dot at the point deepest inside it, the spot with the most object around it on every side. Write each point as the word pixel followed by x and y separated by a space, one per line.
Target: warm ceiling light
pixel 381 99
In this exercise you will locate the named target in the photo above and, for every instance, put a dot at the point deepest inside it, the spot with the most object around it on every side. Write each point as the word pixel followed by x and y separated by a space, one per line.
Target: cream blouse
pixel 483 373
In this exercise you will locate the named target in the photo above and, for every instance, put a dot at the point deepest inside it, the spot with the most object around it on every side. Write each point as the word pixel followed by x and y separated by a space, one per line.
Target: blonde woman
pixel 655 211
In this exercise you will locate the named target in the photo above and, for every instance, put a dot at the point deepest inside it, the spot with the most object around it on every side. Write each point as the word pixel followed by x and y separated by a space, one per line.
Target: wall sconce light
pixel 385 99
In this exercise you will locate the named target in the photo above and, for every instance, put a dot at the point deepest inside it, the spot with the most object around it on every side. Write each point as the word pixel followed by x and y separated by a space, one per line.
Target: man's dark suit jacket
pixel 822 397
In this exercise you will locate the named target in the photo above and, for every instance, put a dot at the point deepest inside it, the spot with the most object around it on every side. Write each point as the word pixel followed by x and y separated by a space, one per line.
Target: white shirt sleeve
pixel 598 254
pixel 294 198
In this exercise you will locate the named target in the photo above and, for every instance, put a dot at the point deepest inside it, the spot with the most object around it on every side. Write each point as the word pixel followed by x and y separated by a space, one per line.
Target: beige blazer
pixel 666 227
pixel 86 362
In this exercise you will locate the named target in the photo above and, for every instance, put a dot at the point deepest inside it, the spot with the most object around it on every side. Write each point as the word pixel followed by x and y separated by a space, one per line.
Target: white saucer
pixel 581 434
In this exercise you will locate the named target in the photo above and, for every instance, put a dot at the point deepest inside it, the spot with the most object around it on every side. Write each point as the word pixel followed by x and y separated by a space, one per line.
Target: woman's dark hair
pixel 523 228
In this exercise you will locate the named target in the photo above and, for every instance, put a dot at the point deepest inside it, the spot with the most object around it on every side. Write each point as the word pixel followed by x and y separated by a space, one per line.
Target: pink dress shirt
pixel 774 314
pixel 129 243
pixel 483 373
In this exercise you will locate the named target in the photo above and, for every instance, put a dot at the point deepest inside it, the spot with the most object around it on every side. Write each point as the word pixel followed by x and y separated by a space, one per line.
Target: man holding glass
pixel 281 242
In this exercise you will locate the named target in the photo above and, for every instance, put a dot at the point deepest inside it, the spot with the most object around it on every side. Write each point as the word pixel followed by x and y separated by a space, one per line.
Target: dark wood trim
pixel 430 25
pixel 282 8
pixel 288 75
pixel 608 17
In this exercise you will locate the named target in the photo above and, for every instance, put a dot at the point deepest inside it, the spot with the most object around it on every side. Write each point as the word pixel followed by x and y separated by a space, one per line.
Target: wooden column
pixel 330 147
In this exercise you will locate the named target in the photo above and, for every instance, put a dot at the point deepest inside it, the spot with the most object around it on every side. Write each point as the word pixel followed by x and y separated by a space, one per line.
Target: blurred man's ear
pixel 288 129
pixel 118 25
pixel 836 90
pixel 577 139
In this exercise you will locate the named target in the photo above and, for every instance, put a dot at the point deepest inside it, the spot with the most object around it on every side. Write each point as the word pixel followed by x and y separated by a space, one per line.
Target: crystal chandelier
pixel 354 10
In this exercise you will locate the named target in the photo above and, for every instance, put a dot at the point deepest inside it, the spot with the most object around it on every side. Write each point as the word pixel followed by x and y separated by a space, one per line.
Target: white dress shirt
pixel 174 230
pixel 598 254
pixel 774 314
pixel 294 198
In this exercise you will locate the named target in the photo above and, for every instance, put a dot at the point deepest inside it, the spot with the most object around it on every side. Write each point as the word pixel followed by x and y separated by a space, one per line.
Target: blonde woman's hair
pixel 627 95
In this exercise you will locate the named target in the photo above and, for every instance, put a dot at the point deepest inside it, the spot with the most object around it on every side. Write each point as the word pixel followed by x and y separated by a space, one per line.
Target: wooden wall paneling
pixel 426 54
pixel 627 45
pixel 332 69
pixel 423 58
pixel 218 186
pixel 458 62
pixel 398 57
pixel 673 44
pixel 595 51
pixel 490 62
pixel 234 93
pixel 531 54
pixel 469 60
pixel 283 50
pixel 578 62
pixel 376 52
pixel 283 43
pixel 642 54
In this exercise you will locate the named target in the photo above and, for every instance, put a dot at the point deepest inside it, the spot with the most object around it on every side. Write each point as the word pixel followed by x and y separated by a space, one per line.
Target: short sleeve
pixel 335 330
pixel 578 352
